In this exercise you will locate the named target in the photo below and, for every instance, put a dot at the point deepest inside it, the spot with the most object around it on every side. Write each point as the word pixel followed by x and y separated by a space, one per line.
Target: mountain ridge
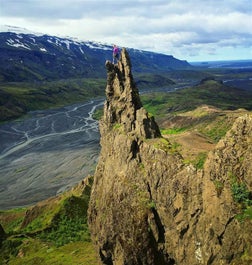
pixel 45 57
pixel 39 70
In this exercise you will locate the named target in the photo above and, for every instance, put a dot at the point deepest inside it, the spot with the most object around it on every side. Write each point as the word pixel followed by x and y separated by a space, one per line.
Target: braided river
pixel 47 152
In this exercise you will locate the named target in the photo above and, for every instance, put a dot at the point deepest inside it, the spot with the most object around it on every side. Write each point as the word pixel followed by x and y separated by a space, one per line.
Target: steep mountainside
pixel 34 57
pixel 148 206
pixel 38 71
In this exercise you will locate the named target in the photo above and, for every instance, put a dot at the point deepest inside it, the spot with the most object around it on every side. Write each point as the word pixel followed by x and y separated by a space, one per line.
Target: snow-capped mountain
pixel 67 41
pixel 26 56
pixel 18 30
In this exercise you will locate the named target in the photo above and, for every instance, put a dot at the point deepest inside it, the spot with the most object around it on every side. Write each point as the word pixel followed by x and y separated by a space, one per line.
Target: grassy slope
pixel 196 118
pixel 52 232
pixel 18 98
pixel 209 92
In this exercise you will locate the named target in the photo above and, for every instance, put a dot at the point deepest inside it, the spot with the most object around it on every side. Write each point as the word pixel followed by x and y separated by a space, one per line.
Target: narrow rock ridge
pixel 147 206
pixel 123 106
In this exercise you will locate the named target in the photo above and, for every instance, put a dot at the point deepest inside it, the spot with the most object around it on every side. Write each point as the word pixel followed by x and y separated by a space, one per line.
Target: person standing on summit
pixel 115 53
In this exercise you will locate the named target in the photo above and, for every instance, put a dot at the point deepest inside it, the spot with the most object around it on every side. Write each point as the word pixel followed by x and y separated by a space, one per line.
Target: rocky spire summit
pixel 123 106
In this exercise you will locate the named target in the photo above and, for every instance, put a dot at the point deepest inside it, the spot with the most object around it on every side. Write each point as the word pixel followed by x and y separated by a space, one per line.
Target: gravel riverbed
pixel 46 153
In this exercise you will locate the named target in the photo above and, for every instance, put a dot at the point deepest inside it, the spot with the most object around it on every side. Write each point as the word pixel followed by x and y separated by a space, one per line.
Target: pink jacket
pixel 115 50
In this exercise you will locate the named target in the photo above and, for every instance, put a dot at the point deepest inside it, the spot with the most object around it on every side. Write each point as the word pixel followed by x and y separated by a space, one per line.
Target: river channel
pixel 46 153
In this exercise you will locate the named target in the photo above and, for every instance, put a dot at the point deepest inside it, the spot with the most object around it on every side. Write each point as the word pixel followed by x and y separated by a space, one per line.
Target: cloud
pixel 181 28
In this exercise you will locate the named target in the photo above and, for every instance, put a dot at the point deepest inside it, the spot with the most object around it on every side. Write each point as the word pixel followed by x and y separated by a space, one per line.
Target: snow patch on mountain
pixel 96 45
pixel 18 30
pixel 17 44
pixel 43 50
pixel 56 40
pixel 67 43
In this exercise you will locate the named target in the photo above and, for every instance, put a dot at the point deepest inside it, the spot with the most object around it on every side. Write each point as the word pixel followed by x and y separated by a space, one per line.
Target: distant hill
pixel 208 92
pixel 36 57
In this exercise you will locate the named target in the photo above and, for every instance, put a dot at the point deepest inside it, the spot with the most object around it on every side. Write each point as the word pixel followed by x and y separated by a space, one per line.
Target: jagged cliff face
pixel 148 207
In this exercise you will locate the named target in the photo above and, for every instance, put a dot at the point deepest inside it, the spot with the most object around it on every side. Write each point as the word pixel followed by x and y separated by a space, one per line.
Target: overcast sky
pixel 193 30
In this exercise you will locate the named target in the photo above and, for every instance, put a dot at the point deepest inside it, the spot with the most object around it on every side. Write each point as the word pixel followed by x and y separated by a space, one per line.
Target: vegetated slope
pixel 18 98
pixel 197 132
pixel 194 119
pixel 208 91
pixel 53 231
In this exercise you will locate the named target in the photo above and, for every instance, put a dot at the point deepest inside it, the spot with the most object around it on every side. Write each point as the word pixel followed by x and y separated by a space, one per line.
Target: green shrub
pixel 70 224
pixel 241 195
pixel 200 160
pixel 245 214
pixel 98 113
pixel 9 248
pixel 240 192
pixel 67 230
pixel 117 126
pixel 152 204
pixel 218 186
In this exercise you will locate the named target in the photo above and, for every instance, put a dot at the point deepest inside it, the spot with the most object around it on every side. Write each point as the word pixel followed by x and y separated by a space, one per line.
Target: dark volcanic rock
pixel 2 235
